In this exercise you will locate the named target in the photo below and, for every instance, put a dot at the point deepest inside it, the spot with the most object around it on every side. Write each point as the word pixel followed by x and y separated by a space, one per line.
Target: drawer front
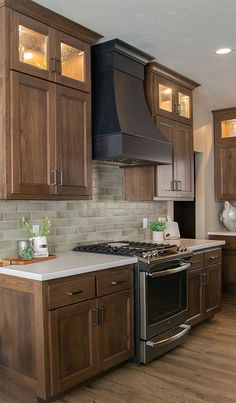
pixel 212 256
pixel 196 261
pixel 70 292
pixel 113 281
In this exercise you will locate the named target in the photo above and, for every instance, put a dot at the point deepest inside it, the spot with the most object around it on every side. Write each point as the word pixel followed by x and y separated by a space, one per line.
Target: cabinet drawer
pixel 196 260
pixel 113 281
pixel 212 256
pixel 70 292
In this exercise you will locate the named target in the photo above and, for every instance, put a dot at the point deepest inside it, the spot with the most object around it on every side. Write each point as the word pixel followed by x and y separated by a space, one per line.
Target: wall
pixel 207 209
pixel 106 217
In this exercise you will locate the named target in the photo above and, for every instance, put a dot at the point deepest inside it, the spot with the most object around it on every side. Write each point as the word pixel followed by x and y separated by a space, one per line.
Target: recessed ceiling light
pixel 223 51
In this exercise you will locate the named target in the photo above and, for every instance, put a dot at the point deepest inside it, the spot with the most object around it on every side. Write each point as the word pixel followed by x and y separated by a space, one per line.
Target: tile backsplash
pixel 106 217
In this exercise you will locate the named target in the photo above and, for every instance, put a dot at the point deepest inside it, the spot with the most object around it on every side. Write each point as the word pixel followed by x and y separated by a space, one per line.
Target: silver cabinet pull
pixel 177 336
pixel 54 65
pixel 173 186
pixel 71 293
pixel 118 282
pixel 61 178
pixel 170 271
pixel 213 257
pixel 54 173
pixel 179 185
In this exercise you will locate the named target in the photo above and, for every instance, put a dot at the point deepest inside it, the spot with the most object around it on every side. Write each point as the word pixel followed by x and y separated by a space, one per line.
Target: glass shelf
pixel 165 98
pixel 184 105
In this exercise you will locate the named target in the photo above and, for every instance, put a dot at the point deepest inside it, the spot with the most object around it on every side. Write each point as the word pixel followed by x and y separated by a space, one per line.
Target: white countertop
pixel 71 263
pixel 67 264
pixel 223 233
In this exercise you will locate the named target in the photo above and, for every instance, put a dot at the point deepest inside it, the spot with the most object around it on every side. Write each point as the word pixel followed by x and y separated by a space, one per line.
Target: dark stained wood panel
pixel 225 173
pixel 195 297
pixel 183 159
pixel 32 118
pixel 73 345
pixel 140 183
pixel 18 331
pixel 213 289
pixel 115 333
pixel 73 142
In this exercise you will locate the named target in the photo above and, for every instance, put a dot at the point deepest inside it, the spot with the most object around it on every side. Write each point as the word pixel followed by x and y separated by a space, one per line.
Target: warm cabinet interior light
pixel 223 51
pixel 167 91
pixel 28 55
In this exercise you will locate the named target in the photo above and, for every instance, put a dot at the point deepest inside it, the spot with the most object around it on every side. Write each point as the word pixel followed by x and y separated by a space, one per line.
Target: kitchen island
pixel 53 329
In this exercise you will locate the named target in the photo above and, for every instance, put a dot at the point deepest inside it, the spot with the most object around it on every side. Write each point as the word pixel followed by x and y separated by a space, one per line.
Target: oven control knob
pixel 154 253
pixel 144 255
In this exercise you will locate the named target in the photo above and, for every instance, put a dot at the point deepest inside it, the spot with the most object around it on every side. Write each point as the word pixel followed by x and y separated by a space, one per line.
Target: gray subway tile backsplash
pixel 107 217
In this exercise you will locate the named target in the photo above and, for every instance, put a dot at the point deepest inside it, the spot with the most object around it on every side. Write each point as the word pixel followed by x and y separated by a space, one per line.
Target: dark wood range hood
pixel 123 129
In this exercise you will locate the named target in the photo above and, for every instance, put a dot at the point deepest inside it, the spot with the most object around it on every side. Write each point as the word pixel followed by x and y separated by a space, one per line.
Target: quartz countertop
pixel 71 263
pixel 67 264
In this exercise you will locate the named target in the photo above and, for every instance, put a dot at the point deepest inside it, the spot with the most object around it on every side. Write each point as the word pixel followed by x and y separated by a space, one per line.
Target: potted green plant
pixel 38 236
pixel 157 228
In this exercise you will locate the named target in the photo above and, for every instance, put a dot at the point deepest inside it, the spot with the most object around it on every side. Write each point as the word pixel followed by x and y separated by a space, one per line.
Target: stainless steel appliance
pixel 161 294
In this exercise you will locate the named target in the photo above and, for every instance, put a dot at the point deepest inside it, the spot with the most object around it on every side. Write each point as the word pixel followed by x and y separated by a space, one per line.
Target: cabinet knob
pixel 54 174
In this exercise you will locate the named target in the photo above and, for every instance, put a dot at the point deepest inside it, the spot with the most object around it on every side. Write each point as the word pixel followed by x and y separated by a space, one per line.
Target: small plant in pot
pixel 38 236
pixel 157 228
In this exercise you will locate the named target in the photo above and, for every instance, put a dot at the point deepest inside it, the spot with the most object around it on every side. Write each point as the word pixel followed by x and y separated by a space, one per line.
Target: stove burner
pixel 145 251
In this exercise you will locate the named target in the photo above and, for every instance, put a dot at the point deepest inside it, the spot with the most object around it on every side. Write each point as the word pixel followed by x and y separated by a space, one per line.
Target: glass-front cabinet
pixel 172 100
pixel 48 53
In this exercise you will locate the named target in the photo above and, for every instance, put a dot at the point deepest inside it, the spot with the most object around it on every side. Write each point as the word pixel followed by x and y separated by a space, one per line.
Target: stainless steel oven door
pixel 163 298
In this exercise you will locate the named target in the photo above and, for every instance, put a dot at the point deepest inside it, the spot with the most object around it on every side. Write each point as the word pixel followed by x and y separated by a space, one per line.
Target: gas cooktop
pixel 144 251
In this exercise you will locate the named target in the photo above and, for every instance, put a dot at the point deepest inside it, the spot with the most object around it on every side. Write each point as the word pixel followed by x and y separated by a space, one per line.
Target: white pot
pixel 157 236
pixel 40 246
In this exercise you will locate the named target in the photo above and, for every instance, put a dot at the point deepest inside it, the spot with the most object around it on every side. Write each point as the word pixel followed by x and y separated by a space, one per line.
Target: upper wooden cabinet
pixel 48 53
pixel 169 94
pixel 45 111
pixel 225 154
pixel 169 97
pixel 176 181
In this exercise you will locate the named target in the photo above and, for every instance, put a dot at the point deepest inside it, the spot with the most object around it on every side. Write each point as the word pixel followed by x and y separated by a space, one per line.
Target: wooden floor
pixel 201 370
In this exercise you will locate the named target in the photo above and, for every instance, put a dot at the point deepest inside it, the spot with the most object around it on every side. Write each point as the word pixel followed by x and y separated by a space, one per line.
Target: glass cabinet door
pixel 228 128
pixel 184 105
pixel 73 62
pixel 31 46
pixel 165 98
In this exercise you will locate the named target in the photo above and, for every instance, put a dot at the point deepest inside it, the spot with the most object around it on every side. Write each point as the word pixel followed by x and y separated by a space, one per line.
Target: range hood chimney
pixel 123 129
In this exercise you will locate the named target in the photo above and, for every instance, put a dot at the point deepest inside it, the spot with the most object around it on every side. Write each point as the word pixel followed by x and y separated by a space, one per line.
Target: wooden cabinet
pixel 176 181
pixel 169 97
pixel 228 262
pixel 45 52
pixel 69 330
pixel 225 154
pixel 204 285
pixel 46 113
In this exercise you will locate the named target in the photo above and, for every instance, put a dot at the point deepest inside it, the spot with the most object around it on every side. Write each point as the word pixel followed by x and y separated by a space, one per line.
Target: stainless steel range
pixel 161 294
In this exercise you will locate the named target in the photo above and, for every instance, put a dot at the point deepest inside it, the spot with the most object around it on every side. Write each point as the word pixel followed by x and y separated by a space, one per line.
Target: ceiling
pixel 181 34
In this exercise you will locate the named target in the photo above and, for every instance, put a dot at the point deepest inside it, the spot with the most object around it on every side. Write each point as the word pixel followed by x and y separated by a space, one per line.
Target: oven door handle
pixel 170 271
pixel 177 336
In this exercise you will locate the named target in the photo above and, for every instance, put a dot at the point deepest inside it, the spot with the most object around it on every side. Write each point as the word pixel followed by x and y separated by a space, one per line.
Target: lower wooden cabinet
pixel 228 262
pixel 204 286
pixel 73 345
pixel 59 333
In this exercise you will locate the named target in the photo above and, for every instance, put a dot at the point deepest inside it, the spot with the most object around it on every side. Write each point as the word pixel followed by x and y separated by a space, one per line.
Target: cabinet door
pixel 72 62
pixel 195 296
pixel 184 105
pixel 225 173
pixel 32 122
pixel 164 94
pixel 31 46
pixel 73 345
pixel 115 333
pixel 73 143
pixel 165 187
pixel 183 160
pixel 212 289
